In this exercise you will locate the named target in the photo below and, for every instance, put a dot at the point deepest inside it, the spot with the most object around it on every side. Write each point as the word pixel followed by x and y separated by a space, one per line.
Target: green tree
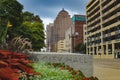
pixel 30 17
pixel 80 48
pixel 23 23
pixel 34 31
pixel 10 10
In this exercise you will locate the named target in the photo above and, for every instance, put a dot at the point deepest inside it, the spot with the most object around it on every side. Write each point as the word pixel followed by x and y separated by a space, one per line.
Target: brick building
pixel 77 30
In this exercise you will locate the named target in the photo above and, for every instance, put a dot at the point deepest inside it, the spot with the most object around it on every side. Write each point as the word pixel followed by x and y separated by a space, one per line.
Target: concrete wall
pixel 76 61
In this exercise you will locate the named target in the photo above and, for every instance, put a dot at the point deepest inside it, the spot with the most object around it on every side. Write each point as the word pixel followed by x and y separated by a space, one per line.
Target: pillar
pixel 113 48
pixel 106 49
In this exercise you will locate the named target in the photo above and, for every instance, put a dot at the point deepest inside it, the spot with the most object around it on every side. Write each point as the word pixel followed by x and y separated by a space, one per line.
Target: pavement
pixel 107 69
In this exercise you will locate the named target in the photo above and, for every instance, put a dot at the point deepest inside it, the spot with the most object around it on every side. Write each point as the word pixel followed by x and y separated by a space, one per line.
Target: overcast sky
pixel 48 9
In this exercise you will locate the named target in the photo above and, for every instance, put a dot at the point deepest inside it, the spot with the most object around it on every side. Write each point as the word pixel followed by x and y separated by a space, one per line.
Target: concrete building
pixel 50 35
pixel 77 30
pixel 61 24
pixel 103 28
pixel 61 46
pixel 85 34
pixel 68 40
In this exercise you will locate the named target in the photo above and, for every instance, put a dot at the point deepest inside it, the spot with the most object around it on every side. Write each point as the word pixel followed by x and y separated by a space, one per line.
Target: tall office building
pixel 50 35
pixel 61 24
pixel 103 28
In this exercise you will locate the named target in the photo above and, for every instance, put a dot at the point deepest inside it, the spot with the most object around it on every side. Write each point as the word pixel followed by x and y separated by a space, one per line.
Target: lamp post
pixel 73 41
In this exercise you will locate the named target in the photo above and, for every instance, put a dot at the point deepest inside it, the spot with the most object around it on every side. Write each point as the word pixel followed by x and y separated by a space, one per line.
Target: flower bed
pixel 57 71
pixel 15 66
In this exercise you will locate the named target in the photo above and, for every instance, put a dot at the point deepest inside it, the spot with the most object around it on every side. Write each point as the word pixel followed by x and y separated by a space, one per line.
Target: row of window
pixel 95 29
pixel 94 11
pixel 111 30
pixel 95 23
pixel 94 17
pixel 114 37
pixel 91 4
pixel 94 42
pixel 110 14
pixel 110 6
pixel 105 2
pixel 111 21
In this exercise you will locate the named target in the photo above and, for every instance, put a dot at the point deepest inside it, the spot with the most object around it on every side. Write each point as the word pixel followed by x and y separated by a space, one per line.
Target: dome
pixel 63 11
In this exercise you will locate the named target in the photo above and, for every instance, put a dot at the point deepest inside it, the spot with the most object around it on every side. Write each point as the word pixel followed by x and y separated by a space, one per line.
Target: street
pixel 107 69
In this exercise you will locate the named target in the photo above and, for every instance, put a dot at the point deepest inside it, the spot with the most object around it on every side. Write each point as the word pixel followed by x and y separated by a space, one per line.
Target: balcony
pixel 97 14
pixel 94 9
pixel 94 12
pixel 92 4
pixel 105 2
pixel 94 27
pixel 110 26
pixel 95 20
pixel 111 10
pixel 110 18
pixel 112 1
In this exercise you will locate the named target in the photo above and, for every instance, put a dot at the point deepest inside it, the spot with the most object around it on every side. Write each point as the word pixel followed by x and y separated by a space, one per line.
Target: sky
pixel 48 9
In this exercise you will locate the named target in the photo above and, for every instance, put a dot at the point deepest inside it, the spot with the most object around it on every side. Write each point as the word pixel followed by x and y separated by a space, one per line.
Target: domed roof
pixel 63 11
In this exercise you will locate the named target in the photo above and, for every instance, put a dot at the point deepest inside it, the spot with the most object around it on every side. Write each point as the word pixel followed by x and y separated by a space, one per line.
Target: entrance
pixel 117 49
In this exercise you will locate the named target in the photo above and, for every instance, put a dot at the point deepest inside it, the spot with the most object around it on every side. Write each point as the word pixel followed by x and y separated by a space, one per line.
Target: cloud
pixel 48 9
pixel 46 21
pixel 71 13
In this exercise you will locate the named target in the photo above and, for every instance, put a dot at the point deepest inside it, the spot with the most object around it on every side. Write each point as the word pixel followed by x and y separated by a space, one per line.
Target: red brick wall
pixel 78 28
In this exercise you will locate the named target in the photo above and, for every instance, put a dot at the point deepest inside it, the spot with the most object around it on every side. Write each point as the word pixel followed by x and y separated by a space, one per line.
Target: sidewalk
pixel 107 69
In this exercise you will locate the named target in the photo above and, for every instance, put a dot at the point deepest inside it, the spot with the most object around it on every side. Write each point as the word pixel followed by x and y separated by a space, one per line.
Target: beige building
pixel 49 35
pixel 61 46
pixel 68 40
pixel 103 28
pixel 85 33
pixel 61 24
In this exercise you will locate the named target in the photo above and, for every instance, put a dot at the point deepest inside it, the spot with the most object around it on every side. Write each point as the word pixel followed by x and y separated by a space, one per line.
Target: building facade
pixel 61 46
pixel 68 40
pixel 85 33
pixel 77 30
pixel 50 37
pixel 103 28
pixel 61 24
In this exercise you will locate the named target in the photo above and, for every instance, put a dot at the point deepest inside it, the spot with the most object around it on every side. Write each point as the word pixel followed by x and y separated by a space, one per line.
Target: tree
pixel 23 23
pixel 34 31
pixel 80 48
pixel 10 10
pixel 27 16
